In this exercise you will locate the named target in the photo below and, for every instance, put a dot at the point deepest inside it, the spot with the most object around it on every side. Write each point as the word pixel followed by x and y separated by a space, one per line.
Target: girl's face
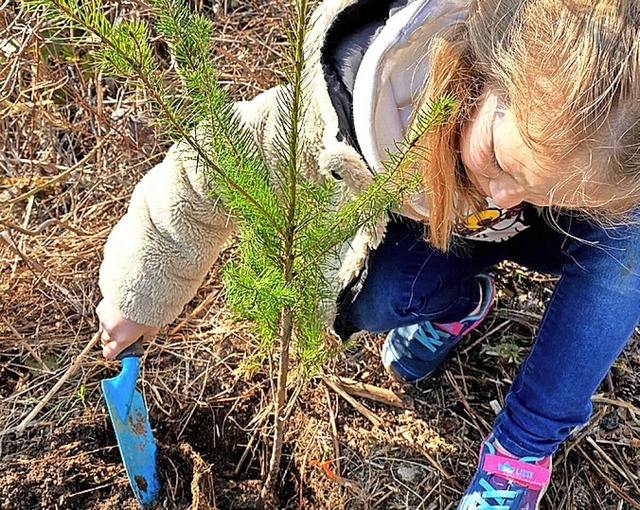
pixel 499 163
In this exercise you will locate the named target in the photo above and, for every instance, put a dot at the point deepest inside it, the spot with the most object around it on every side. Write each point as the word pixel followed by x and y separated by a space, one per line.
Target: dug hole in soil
pixel 77 464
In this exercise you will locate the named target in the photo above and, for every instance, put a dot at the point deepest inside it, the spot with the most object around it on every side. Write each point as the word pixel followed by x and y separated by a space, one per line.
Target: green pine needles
pixel 290 228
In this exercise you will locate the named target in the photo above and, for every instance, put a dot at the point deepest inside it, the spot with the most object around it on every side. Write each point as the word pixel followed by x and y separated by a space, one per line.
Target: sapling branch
pixel 152 87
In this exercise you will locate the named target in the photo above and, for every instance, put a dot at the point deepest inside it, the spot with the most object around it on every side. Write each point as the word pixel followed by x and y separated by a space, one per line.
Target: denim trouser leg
pixel 410 282
pixel 590 318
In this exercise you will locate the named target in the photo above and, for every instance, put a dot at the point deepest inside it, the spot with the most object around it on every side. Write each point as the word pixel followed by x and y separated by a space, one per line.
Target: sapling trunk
pixel 290 255
pixel 281 400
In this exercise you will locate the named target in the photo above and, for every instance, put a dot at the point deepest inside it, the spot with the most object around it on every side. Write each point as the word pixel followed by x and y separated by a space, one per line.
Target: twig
pixel 26 345
pixel 70 371
pixel 486 335
pixel 334 430
pixel 111 483
pixel 303 467
pixel 626 475
pixel 44 225
pixel 57 178
pixel 9 243
pixel 27 215
pixel 247 449
pixel 35 266
pixel 580 435
pixel 366 412
pixel 524 318
pixel 635 412
pixel 257 423
pixel 466 405
pixel 621 493
pixel 205 302
pixel 374 393
pixel 609 382
pixel 14 430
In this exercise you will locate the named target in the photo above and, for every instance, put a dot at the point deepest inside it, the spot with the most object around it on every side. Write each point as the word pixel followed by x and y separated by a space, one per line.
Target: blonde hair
pixel 569 71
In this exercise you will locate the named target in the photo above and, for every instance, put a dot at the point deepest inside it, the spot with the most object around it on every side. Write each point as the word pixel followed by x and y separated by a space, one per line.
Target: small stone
pixel 118 113
pixel 409 473
pixel 610 421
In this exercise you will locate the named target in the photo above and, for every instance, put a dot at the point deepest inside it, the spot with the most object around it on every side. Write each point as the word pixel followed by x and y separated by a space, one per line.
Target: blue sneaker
pixel 412 353
pixel 506 483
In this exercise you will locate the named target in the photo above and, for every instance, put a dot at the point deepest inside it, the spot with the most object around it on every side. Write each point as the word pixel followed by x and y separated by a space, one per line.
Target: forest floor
pixel 72 146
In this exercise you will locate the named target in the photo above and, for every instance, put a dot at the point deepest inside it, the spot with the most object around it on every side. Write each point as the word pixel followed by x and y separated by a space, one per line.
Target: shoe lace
pixel 479 500
pixel 431 337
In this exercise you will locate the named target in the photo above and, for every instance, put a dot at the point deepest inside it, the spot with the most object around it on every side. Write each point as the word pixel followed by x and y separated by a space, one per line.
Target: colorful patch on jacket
pixel 493 224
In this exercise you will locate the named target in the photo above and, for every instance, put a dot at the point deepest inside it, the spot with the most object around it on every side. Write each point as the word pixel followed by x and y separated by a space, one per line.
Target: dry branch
pixel 371 392
pixel 70 371
pixel 362 409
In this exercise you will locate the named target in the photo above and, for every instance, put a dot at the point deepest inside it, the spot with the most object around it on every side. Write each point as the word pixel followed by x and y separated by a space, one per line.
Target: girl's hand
pixel 118 332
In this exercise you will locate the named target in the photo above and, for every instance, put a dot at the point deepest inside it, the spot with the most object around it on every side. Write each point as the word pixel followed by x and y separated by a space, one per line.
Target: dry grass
pixel 73 146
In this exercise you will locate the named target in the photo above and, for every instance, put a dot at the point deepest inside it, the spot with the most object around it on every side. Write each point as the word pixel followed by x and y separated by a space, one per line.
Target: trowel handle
pixel 134 350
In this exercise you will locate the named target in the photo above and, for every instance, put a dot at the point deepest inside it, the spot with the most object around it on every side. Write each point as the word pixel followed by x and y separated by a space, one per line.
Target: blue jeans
pixel 591 316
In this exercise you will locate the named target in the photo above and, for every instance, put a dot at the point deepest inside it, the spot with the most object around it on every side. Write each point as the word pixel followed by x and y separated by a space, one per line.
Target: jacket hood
pixel 393 72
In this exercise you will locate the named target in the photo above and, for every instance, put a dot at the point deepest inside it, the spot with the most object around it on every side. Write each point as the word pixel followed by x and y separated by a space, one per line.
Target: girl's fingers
pixel 110 349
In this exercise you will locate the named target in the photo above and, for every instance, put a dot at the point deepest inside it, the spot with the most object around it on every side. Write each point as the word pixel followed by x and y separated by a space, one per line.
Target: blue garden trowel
pixel 131 424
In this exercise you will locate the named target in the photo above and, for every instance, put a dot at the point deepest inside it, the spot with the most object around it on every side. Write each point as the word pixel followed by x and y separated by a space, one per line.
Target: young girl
pixel 540 164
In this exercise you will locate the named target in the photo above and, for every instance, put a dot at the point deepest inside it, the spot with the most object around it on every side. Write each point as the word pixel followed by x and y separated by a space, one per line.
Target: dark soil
pixel 78 466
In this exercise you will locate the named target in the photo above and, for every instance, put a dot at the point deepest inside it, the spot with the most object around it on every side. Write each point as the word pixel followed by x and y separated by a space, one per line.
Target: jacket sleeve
pixel 157 255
